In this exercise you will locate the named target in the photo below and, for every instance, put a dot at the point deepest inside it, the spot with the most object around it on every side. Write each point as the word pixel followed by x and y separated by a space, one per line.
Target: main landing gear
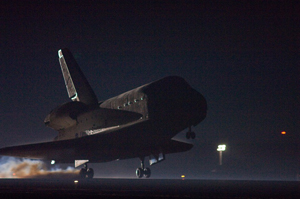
pixel 190 134
pixel 142 171
pixel 86 172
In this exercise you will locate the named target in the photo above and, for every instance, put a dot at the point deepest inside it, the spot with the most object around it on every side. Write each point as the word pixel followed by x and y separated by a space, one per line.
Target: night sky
pixel 243 57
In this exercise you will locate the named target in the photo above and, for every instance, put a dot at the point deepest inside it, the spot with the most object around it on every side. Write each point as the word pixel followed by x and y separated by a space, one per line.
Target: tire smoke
pixel 26 168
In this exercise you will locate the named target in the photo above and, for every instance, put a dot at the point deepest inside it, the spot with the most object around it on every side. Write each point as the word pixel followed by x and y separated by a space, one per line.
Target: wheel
pixel 83 173
pixel 139 172
pixel 193 135
pixel 90 173
pixel 188 135
pixel 147 172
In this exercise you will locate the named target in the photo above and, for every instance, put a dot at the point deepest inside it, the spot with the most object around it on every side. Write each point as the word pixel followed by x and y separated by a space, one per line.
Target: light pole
pixel 221 148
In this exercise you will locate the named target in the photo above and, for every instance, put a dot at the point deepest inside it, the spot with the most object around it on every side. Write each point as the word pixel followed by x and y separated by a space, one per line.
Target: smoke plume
pixel 26 168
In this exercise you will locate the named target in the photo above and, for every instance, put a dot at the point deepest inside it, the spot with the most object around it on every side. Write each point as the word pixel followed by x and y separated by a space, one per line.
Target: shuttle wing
pixel 123 143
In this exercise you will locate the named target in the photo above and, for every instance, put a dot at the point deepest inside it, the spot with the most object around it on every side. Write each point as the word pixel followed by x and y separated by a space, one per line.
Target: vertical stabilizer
pixel 77 85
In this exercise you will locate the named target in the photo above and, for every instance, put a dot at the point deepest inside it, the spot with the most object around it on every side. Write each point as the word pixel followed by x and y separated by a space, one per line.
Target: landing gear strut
pixel 190 134
pixel 86 172
pixel 142 171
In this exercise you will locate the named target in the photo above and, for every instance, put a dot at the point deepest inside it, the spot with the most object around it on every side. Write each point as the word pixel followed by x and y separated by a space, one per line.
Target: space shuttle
pixel 139 123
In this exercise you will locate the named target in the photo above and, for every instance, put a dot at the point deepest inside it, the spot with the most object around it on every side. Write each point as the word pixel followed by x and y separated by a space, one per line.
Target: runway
pixel 147 188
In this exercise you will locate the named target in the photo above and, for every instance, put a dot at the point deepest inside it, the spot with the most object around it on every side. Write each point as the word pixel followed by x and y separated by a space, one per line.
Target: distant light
pixel 14 174
pixel 52 161
pixel 183 176
pixel 283 133
pixel 75 181
pixel 221 147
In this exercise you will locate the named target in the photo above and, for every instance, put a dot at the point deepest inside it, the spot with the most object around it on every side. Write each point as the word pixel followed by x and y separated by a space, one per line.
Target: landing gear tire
pixel 86 173
pixel 90 173
pixel 142 171
pixel 190 134
pixel 139 172
pixel 83 173
pixel 193 135
pixel 147 172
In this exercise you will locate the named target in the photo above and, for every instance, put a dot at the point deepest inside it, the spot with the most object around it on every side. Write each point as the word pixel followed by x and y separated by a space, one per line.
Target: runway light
pixel 182 177
pixel 283 133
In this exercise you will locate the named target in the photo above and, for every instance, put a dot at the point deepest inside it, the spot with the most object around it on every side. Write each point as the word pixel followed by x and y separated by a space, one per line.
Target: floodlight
pixel 221 147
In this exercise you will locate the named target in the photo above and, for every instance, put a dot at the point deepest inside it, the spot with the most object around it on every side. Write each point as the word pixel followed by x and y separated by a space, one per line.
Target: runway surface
pixel 147 188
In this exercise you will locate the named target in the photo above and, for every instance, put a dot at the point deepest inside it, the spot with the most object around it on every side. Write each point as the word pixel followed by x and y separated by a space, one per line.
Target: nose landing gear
pixel 142 171
pixel 86 172
pixel 190 134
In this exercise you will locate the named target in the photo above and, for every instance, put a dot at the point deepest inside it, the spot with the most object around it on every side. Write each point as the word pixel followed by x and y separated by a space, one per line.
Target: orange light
pixel 283 133
pixel 14 174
